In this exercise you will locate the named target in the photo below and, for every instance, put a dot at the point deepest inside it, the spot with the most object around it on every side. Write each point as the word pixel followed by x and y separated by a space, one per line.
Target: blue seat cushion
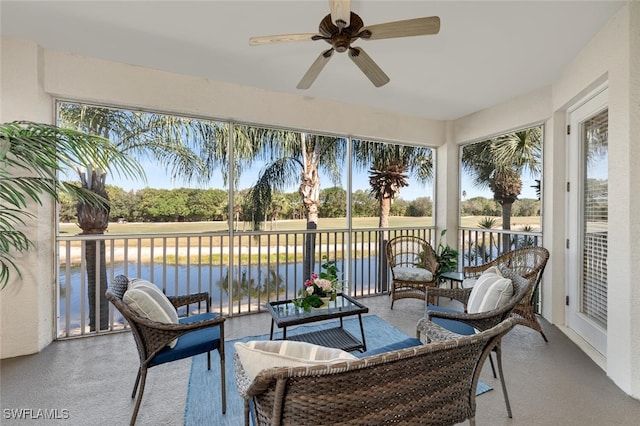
pixel 451 325
pixel 193 343
pixel 403 344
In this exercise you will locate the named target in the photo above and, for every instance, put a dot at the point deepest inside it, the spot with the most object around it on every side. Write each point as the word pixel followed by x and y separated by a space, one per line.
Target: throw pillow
pixel 480 288
pixel 146 299
pixel 119 285
pixel 498 295
pixel 258 355
pixel 493 270
pixel 412 274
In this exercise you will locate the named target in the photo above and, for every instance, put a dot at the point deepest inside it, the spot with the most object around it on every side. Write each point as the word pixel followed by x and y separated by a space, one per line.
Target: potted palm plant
pixel 32 157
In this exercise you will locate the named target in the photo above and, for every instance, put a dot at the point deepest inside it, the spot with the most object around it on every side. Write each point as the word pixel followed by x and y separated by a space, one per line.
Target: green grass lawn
pixel 285 225
pixel 281 225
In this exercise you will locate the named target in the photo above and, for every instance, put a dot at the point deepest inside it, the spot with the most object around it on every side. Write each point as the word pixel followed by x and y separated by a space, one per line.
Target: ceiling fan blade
pixel 314 70
pixel 281 38
pixel 408 28
pixel 340 11
pixel 368 67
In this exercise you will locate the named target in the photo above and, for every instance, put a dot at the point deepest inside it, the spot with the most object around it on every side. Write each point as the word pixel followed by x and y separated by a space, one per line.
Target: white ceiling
pixel 486 51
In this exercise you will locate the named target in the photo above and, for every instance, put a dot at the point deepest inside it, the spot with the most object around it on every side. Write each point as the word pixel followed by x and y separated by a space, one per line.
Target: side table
pixel 452 277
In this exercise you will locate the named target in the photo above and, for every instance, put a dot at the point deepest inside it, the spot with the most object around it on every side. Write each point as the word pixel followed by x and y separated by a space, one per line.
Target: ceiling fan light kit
pixel 341 28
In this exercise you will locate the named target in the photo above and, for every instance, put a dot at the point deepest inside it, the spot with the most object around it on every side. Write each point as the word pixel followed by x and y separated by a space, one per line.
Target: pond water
pixel 250 283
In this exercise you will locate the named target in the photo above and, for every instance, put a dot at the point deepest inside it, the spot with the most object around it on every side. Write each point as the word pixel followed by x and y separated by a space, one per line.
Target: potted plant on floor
pixel 32 157
pixel 446 256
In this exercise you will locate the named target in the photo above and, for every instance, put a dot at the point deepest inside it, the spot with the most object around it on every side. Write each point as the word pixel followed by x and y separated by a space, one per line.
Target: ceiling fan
pixel 341 28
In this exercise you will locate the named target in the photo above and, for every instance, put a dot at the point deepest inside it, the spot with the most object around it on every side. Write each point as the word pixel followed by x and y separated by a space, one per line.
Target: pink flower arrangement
pixel 321 287
pixel 317 286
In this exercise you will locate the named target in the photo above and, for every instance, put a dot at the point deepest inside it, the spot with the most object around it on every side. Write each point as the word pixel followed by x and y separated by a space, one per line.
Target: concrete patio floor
pixel 90 380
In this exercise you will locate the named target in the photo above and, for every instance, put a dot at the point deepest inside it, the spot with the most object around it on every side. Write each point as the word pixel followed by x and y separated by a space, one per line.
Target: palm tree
pixel 499 163
pixel 295 157
pixel 32 156
pixel 385 184
pixel 390 165
pixel 188 148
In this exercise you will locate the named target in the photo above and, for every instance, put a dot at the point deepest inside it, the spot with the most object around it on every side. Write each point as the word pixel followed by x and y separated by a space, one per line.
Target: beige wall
pixel 26 314
pixel 30 75
pixel 81 78
pixel 528 109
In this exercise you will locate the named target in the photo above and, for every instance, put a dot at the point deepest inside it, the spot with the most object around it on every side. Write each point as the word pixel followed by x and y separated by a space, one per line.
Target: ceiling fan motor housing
pixel 339 38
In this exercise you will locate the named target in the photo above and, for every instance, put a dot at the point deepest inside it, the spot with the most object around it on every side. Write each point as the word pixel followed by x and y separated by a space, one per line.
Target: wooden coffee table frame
pixel 284 314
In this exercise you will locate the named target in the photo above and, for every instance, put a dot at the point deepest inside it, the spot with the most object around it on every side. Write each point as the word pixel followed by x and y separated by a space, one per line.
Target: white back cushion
pixel 146 299
pixel 492 270
pixel 481 287
pixel 259 355
pixel 498 295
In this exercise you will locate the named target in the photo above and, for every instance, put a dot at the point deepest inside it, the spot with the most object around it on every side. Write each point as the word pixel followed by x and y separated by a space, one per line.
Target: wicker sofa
pixel 430 384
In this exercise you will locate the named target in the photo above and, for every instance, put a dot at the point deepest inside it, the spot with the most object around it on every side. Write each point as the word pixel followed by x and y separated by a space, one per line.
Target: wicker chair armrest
pixel 527 300
pixel 459 294
pixel 242 380
pixel 180 327
pixel 178 301
pixel 248 388
pixel 158 334
pixel 429 332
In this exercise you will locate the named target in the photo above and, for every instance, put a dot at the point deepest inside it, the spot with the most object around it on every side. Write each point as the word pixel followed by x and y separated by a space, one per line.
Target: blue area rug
pixel 203 406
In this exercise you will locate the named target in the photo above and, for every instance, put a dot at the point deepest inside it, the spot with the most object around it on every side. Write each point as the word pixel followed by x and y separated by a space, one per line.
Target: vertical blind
pixel 595 132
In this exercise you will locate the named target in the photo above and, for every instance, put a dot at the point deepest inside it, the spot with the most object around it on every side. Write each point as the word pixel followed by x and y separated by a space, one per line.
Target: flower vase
pixel 325 303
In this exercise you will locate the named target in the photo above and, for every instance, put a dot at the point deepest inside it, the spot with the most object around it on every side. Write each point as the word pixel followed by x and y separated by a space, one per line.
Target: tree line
pixel 198 205
pixel 481 206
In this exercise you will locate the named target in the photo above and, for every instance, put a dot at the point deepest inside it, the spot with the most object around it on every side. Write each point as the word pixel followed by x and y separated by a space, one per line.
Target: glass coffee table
pixel 284 314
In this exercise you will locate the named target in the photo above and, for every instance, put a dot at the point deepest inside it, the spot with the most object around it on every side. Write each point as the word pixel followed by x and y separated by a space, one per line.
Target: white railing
pixel 478 246
pixel 240 270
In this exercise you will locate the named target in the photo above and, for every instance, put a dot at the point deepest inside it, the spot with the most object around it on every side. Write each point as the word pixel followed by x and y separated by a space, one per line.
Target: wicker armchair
pixel 413 266
pixel 467 324
pixel 431 384
pixel 200 333
pixel 528 262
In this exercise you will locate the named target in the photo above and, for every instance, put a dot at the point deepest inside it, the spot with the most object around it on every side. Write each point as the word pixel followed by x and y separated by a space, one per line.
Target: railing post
pixel 383 279
pixel 383 269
